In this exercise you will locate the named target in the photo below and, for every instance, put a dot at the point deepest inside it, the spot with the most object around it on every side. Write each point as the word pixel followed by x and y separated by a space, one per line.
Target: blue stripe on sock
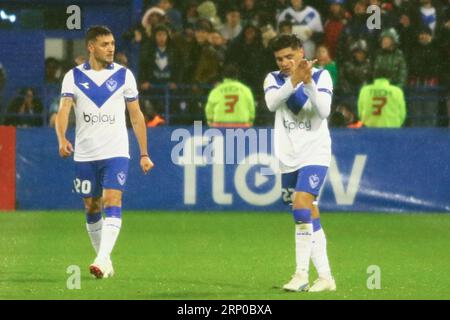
pixel 93 217
pixel 316 224
pixel 113 212
pixel 302 215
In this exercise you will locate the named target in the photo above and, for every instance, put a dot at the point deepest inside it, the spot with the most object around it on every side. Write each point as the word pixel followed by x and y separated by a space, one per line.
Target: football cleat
pixel 322 284
pixel 101 268
pixel 298 283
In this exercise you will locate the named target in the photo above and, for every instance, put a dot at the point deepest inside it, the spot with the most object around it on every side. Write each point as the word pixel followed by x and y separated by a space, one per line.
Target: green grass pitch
pixel 179 255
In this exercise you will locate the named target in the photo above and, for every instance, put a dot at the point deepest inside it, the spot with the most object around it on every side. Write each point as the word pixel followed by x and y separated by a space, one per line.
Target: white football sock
pixel 110 232
pixel 319 254
pixel 303 246
pixel 95 233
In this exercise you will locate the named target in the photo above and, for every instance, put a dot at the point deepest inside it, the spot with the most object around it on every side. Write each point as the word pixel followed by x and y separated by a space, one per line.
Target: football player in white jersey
pixel 100 90
pixel 300 96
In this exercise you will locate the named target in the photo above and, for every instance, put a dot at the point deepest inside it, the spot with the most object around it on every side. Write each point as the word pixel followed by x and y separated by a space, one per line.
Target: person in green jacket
pixel 324 61
pixel 381 104
pixel 391 58
pixel 231 103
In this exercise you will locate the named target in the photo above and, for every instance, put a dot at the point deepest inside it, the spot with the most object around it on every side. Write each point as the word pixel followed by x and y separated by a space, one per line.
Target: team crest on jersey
pixel 314 181
pixel 121 177
pixel 111 84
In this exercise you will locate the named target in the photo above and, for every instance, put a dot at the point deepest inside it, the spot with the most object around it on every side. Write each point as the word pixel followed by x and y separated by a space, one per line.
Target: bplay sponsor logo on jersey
pixel 99 118
pixel 301 125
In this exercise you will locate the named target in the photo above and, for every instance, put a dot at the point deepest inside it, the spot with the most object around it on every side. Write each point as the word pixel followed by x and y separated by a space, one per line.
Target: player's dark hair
pixel 285 41
pixel 230 71
pixel 95 31
pixel 381 73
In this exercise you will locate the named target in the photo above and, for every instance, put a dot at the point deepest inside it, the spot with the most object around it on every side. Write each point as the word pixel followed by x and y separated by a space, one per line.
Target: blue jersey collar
pixel 87 66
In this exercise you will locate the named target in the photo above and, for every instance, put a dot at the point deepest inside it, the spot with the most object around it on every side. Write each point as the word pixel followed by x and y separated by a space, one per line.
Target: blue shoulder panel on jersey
pixel 99 94
pixel 279 78
pixel 316 75
pixel 297 101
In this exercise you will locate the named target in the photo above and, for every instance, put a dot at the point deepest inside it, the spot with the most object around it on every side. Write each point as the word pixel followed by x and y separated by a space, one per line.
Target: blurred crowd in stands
pixel 180 48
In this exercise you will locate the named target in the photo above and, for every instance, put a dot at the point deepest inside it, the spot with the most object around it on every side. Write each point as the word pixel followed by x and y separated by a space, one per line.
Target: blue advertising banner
pixel 375 170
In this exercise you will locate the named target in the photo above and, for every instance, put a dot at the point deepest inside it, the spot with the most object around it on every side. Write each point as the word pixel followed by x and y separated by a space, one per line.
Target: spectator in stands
pixel 391 58
pixel 249 13
pixel 430 15
pixel 356 29
pixel 274 7
pixel 191 15
pixel 335 23
pixel 202 68
pixel 343 116
pixel 407 33
pixel 52 82
pixel 388 19
pixel 268 33
pixel 160 61
pixel 25 110
pixel 203 63
pixel 307 25
pixel 382 104
pixel 425 75
pixel 247 52
pixel 285 27
pixel 218 43
pixel 52 71
pixel 207 10
pixel 152 17
pixel 173 15
pixel 324 61
pixel 351 120
pixel 357 71
pixel 160 66
pixel 233 26
pixel 231 103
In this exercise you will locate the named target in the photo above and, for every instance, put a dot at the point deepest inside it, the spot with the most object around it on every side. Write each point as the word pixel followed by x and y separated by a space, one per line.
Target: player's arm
pixel 210 107
pixel 140 130
pixel 361 104
pixel 276 95
pixel 251 105
pixel 320 94
pixel 61 123
pixel 401 106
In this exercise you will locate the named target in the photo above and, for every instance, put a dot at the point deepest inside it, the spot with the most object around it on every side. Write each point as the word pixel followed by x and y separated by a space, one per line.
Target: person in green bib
pixel 231 103
pixel 381 104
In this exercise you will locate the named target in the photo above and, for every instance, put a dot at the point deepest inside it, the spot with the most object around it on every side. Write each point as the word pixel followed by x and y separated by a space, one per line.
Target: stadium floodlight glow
pixel 3 15
pixel 12 18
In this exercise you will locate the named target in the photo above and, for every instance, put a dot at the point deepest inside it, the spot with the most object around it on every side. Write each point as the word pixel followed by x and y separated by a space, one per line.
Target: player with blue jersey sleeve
pixel 100 90
pixel 300 96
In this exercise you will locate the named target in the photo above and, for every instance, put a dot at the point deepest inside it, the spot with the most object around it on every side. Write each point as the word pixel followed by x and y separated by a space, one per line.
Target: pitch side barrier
pixel 196 168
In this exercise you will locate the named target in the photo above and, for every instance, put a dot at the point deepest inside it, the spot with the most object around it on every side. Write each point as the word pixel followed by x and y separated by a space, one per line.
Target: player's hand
pixel 304 70
pixel 146 164
pixel 65 149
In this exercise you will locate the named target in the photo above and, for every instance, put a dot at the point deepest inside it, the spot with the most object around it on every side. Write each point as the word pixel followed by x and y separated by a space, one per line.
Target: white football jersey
pixel 301 137
pixel 100 96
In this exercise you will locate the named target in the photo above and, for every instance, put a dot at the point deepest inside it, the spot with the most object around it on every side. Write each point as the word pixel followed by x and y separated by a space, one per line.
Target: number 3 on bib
pixel 231 101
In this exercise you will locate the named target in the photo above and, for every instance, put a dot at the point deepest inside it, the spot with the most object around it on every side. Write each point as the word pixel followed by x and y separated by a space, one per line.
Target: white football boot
pixel 322 284
pixel 102 268
pixel 298 283
pixel 109 272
